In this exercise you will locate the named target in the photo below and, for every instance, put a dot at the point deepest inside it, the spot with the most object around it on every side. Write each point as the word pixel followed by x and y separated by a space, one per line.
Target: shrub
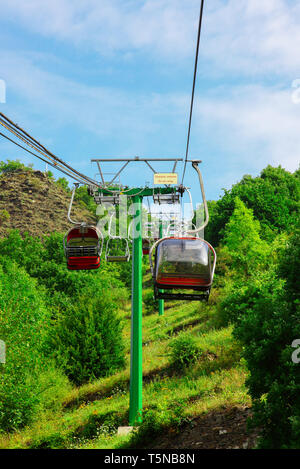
pixel 4 216
pixel 54 387
pixel 26 252
pixel 184 351
pixel 11 166
pixel 87 337
pixel 50 175
pixel 151 304
pixel 82 306
pixel 62 182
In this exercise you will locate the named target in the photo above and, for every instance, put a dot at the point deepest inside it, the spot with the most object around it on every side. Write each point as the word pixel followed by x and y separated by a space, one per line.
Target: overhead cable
pixel 37 146
pixel 193 88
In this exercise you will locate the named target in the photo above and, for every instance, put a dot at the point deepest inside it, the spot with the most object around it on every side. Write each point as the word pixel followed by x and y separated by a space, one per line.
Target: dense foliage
pixel 274 197
pixel 87 337
pixel 62 327
pixel 13 165
pixel 261 298
pixel 68 320
pixel 24 324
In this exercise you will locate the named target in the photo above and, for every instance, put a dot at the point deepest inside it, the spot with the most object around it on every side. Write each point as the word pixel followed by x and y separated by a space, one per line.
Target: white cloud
pixel 254 37
pixel 256 120
pixel 109 25
pixel 256 123
pixel 102 110
pixel 251 37
pixel 247 40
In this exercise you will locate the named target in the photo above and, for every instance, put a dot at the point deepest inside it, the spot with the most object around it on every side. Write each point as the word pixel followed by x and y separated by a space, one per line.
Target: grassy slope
pixel 91 414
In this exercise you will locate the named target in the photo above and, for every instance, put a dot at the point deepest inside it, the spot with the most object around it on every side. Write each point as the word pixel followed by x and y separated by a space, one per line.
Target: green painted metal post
pixel 161 303
pixel 136 370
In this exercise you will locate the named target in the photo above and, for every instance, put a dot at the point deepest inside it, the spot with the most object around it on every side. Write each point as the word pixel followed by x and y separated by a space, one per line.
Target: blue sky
pixel 97 78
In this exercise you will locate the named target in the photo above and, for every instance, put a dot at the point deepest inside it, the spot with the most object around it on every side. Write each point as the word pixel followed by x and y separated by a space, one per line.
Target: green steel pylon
pixel 136 366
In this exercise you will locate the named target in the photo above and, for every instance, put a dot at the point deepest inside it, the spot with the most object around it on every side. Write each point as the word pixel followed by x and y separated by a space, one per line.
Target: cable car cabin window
pixel 183 262
pixel 82 242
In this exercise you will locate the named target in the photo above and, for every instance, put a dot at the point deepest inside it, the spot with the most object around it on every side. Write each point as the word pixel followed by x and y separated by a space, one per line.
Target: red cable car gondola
pixel 183 268
pixel 146 246
pixel 83 246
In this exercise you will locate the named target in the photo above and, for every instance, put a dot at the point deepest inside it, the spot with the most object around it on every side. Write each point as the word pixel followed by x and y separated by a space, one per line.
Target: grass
pixel 171 398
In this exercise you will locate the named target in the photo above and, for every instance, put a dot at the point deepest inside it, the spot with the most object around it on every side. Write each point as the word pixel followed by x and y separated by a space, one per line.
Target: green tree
pixel 82 305
pixel 266 314
pixel 247 250
pixel 13 165
pixel 273 196
pixel 62 182
pixel 87 337
pixel 23 327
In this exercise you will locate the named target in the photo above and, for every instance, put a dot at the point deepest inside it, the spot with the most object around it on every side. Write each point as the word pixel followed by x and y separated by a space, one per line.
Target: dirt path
pixel 225 429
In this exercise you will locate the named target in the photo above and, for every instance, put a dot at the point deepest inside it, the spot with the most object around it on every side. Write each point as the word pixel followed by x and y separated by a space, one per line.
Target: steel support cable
pixel 20 136
pixel 34 144
pixel 54 164
pixel 21 133
pixel 42 159
pixel 28 142
pixel 51 160
pixel 11 128
pixel 193 88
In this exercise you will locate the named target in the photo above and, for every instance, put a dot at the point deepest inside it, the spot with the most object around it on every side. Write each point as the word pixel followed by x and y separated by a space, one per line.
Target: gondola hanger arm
pixel 76 184
pixel 197 230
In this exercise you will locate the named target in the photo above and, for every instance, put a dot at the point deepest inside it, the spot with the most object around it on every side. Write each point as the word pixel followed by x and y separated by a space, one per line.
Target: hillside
pixel 210 402
pixel 36 204
pixel 203 406
pixel 195 368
